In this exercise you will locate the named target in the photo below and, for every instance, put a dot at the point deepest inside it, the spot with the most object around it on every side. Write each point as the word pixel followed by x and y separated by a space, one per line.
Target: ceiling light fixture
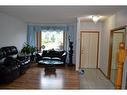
pixel 95 18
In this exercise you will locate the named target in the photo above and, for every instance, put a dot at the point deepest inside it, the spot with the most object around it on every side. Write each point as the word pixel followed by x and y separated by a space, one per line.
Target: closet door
pixel 89 49
pixel 84 50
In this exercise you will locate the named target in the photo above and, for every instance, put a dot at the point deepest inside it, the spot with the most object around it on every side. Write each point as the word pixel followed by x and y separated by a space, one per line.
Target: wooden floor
pixel 64 78
pixel 35 78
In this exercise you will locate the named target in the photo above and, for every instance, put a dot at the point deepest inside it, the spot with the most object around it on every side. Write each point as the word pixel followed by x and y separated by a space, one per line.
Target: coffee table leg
pixel 50 68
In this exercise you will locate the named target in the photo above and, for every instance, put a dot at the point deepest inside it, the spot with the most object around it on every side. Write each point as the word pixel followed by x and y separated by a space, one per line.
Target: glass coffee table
pixel 49 65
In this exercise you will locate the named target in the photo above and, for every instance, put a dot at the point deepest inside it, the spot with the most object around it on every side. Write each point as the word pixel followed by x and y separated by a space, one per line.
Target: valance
pixel 48 27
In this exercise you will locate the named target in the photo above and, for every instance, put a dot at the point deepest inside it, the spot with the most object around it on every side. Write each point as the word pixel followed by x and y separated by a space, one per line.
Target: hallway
pixel 94 79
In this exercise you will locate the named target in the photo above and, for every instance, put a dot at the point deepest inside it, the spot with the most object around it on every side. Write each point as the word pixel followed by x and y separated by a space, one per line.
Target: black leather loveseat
pixel 52 55
pixel 11 66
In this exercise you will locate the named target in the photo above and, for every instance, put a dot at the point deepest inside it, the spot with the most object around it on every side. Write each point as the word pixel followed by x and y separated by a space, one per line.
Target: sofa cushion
pixel 55 53
pixel 52 53
pixel 2 60
pixel 56 58
pixel 46 58
pixel 13 50
pixel 45 53
pixel 13 56
pixel 9 50
pixel 9 61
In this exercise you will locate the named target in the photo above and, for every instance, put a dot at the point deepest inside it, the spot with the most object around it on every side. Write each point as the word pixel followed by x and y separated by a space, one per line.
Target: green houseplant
pixel 28 49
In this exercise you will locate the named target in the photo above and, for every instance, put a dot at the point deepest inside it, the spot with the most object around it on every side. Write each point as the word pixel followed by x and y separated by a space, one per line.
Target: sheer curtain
pixel 31 34
pixel 33 38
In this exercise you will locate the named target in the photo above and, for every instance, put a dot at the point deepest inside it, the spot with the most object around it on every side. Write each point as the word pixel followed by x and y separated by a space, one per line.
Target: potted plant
pixel 32 51
pixel 28 50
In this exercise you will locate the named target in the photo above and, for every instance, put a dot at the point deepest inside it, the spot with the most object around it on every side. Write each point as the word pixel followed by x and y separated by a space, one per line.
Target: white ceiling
pixel 57 14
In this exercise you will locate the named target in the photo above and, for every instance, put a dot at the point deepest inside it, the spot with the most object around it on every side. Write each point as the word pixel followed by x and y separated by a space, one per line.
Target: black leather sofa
pixel 52 55
pixel 11 66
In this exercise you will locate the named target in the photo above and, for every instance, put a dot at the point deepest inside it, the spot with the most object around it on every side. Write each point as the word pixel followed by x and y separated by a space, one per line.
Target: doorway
pixel 89 48
pixel 117 35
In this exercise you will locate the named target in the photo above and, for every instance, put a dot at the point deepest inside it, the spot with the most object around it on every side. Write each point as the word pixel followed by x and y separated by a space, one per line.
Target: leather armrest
pixel 10 62
pixel 6 70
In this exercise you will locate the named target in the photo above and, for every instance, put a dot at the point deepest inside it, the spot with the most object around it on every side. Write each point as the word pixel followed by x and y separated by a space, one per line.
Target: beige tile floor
pixel 94 79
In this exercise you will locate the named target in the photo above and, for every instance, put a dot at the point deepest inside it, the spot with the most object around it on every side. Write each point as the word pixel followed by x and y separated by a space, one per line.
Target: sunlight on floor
pixel 54 81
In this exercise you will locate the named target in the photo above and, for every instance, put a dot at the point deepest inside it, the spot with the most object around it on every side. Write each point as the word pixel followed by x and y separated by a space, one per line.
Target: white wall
pixel 86 26
pixel 90 26
pixel 105 36
pixel 117 20
pixel 12 31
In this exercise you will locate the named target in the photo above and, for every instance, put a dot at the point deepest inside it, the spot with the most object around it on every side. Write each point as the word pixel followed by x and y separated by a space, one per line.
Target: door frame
pixel 81 32
pixel 110 49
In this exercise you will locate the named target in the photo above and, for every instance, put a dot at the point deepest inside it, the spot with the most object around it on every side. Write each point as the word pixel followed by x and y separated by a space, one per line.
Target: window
pixel 52 40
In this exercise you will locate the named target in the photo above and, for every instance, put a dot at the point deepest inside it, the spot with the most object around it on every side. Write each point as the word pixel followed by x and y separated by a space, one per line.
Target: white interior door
pixel 89 50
